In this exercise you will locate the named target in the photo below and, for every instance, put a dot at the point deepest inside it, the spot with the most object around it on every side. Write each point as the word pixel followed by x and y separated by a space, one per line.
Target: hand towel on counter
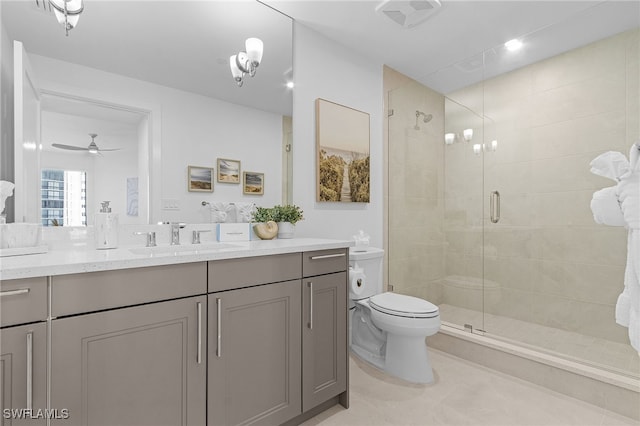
pixel 611 164
pixel 606 208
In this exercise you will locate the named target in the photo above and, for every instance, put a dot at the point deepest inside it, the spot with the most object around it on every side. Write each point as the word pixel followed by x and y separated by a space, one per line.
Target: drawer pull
pixel 219 307
pixel 327 256
pixel 29 370
pixel 14 292
pixel 199 353
pixel 310 325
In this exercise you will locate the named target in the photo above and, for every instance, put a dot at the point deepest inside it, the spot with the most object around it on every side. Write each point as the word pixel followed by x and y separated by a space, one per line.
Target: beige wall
pixel 325 69
pixel 554 265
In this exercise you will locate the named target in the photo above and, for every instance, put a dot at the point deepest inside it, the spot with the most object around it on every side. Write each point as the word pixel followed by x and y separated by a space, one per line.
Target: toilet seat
pixel 403 306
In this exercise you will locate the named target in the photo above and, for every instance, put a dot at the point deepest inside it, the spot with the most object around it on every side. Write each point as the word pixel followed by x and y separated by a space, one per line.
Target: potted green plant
pixel 287 216
pixel 262 215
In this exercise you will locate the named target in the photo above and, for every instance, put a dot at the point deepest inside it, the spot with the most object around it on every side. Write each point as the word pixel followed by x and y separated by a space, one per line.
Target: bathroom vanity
pixel 255 333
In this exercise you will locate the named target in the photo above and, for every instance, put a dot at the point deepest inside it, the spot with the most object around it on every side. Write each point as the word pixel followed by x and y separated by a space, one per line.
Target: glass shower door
pixel 461 287
pixel 551 274
pixel 435 202
pixel 415 213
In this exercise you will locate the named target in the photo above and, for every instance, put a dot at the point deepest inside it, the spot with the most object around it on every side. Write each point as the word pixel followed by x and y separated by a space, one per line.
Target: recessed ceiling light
pixel 290 84
pixel 513 45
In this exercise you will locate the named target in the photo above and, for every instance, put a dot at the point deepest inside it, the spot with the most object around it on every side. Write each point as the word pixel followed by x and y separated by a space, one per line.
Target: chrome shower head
pixel 425 118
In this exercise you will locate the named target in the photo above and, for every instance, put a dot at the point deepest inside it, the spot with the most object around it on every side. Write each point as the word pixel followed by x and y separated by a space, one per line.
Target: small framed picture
pixel 228 171
pixel 253 183
pixel 200 179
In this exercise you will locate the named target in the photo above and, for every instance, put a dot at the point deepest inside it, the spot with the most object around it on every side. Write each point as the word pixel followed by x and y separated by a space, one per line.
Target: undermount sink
pixel 21 238
pixel 182 249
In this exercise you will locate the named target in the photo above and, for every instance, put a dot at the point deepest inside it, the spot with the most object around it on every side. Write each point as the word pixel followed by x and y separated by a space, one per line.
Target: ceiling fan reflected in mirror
pixel 92 148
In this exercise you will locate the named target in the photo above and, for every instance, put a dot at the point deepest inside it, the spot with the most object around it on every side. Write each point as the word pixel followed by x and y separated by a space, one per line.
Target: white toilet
pixel 387 329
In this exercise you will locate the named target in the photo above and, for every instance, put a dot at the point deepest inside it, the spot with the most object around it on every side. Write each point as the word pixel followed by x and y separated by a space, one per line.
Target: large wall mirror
pixel 183 45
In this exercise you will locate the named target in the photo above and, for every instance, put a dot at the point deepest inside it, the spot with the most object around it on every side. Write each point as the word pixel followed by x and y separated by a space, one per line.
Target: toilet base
pixel 408 359
pixel 368 357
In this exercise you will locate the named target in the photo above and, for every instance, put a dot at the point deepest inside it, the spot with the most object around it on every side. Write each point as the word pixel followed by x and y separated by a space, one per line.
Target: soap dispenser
pixel 106 227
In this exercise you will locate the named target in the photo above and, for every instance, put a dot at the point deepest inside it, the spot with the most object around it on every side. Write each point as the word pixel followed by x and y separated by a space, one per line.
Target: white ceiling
pixel 186 44
pixel 461 30
pixel 68 121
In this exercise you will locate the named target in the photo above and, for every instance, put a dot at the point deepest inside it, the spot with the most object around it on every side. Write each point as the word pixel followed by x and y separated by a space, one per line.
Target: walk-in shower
pixel 544 275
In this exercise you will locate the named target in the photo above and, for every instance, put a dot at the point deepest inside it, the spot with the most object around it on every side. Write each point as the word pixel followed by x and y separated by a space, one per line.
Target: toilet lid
pixel 403 306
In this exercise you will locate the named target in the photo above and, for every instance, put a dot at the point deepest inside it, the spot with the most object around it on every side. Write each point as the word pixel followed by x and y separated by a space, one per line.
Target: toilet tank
pixel 369 259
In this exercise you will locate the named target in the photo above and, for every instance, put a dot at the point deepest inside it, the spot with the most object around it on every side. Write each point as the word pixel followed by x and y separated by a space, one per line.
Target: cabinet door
pixel 143 365
pixel 324 338
pixel 254 355
pixel 23 374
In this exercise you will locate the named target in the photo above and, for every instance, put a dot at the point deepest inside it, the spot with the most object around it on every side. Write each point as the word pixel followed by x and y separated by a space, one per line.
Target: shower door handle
pixel 494 200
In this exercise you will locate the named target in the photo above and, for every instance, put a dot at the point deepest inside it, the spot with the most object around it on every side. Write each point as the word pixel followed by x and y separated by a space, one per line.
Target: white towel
pixel 611 164
pixel 606 208
pixel 628 193
pixel 244 212
pixel 220 211
pixel 628 305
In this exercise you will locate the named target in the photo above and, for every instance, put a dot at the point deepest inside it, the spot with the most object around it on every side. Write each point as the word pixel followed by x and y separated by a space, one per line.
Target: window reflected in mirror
pixel 64 198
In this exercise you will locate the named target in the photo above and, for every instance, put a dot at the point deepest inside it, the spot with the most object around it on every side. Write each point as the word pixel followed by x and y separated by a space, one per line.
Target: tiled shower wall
pixel 546 261
pixel 415 204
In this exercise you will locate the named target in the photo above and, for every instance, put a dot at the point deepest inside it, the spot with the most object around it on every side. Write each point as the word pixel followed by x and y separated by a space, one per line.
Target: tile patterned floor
pixel 463 394
pixel 616 356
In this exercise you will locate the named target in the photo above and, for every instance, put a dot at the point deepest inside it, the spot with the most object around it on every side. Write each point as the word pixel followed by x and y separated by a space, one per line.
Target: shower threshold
pixel 604 388
pixel 618 358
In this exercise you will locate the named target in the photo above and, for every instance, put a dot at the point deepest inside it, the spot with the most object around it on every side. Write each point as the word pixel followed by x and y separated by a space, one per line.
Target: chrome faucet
pixel 175 232
pixel 151 237
pixel 195 239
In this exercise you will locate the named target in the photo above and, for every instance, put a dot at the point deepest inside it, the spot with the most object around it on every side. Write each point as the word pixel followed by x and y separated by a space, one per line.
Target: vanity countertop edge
pixel 73 261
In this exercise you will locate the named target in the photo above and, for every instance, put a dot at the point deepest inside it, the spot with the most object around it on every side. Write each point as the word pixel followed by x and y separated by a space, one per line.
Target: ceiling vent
pixel 406 13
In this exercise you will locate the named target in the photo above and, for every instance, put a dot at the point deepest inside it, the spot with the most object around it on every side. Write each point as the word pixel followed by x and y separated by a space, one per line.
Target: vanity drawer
pixel 94 291
pixel 230 274
pixel 23 301
pixel 324 262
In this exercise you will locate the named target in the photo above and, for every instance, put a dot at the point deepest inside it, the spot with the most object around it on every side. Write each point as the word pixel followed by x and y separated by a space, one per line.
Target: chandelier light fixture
pixel 246 62
pixel 67 12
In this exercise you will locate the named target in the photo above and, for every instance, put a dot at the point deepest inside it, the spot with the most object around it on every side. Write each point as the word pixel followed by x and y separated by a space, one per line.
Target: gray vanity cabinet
pixel 128 347
pixel 324 331
pixel 23 378
pixel 142 365
pixel 324 339
pixel 254 354
pixel 23 351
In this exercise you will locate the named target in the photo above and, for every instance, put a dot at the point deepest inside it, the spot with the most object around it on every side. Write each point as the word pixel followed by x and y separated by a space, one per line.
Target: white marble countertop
pixel 72 261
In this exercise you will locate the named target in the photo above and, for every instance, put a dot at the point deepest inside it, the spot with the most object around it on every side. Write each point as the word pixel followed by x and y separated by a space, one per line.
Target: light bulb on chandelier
pixel 247 61
pixel 67 12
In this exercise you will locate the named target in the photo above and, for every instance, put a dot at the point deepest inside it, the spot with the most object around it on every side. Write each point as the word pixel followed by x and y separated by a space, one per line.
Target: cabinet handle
pixel 310 325
pixel 327 256
pixel 14 292
pixel 494 199
pixel 199 353
pixel 29 370
pixel 219 307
